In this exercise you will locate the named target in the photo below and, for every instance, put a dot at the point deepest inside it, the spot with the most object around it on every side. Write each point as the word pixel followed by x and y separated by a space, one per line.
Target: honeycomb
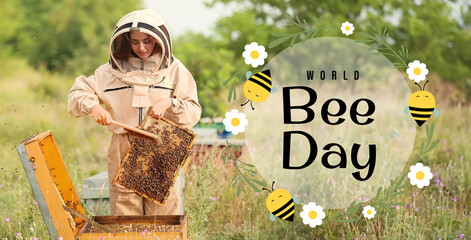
pixel 150 167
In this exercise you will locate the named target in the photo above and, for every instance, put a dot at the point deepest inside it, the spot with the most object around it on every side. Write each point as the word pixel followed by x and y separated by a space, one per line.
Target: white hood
pixel 146 21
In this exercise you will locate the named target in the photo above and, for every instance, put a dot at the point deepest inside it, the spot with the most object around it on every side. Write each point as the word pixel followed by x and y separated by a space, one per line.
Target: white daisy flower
pixel 369 212
pixel 419 175
pixel 312 214
pixel 235 122
pixel 417 71
pixel 254 54
pixel 347 28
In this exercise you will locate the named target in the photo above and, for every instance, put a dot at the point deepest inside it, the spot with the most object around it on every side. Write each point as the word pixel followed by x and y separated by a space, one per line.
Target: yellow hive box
pixel 53 188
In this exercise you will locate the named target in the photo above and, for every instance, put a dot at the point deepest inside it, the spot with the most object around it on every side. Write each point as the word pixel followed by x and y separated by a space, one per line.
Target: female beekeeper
pixel 141 72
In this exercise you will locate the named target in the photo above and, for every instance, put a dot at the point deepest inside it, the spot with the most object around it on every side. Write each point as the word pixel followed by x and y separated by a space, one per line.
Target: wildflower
pixel 410 227
pixel 453 199
pixel 7 219
pixel 417 71
pixel 213 199
pixel 34 238
pixel 461 236
pixel 312 214
pixel 254 54
pixel 102 238
pixel 408 205
pixel 369 212
pixel 31 229
pixel 235 122
pixel 18 234
pixel 420 175
pixel 347 28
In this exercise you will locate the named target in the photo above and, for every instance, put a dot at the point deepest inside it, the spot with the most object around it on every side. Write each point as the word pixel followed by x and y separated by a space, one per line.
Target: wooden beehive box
pixel 150 167
pixel 53 188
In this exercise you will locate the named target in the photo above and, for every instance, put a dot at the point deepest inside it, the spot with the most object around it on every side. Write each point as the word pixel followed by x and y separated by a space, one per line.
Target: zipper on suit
pixel 140 109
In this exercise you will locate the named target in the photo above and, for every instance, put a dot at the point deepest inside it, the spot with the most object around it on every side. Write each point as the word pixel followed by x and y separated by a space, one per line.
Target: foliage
pixel 233 81
pixel 380 38
pixel 199 205
pixel 67 36
pixel 327 25
pixel 426 148
pixel 240 179
pixel 428 28
pixel 431 212
pixel 207 63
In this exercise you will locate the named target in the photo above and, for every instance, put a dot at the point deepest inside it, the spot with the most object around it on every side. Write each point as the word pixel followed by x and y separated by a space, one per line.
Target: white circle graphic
pixel 340 105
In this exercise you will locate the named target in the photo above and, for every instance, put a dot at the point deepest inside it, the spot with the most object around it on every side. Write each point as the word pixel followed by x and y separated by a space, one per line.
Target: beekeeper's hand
pixel 160 107
pixel 100 115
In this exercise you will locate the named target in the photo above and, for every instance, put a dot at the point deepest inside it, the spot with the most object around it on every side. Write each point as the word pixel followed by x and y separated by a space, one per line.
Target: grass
pixel 35 101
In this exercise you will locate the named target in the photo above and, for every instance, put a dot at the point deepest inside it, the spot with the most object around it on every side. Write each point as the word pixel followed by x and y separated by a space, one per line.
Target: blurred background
pixel 45 44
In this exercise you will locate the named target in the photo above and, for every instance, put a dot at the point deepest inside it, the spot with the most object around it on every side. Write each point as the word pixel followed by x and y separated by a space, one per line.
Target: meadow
pixel 33 101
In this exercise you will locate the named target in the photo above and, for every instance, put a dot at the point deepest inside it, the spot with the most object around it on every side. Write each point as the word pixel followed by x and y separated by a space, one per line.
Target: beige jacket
pixel 127 92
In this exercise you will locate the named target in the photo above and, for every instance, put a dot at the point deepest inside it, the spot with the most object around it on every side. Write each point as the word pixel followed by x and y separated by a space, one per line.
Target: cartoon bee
pixel 281 204
pixel 258 87
pixel 421 105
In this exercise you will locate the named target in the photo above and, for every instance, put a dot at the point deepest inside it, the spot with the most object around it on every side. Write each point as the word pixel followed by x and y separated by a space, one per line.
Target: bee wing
pixel 272 217
pixel 406 110
pixel 435 112
pixel 274 89
pixel 248 75
pixel 296 200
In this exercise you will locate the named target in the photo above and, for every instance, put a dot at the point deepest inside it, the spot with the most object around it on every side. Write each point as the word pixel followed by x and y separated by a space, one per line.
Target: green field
pixel 34 101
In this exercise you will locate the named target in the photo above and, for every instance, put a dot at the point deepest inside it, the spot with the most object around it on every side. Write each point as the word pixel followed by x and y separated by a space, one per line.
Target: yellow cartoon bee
pixel 421 105
pixel 281 204
pixel 258 87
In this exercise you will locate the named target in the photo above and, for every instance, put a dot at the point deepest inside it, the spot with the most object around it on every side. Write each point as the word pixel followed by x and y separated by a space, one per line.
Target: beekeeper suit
pixel 128 88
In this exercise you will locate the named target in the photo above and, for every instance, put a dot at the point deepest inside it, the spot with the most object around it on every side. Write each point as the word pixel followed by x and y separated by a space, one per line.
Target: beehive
pixel 150 167
pixel 53 188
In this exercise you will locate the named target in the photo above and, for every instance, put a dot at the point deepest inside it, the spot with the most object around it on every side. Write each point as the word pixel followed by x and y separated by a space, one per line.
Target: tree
pixel 67 36
pixel 427 27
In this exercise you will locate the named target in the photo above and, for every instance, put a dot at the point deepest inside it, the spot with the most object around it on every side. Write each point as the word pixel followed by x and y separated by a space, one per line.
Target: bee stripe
pixel 421 116
pixel 283 207
pixel 421 112
pixel 287 213
pixel 260 84
pixel 421 109
pixel 264 81
pixel 263 75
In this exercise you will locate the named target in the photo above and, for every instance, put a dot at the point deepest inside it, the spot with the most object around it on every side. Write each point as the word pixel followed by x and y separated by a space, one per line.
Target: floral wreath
pixel 313 214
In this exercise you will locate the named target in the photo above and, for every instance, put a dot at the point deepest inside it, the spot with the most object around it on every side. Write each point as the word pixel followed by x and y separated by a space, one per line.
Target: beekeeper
pixel 141 72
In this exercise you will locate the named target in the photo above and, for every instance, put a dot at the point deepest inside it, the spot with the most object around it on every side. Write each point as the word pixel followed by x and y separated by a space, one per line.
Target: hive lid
pixel 51 184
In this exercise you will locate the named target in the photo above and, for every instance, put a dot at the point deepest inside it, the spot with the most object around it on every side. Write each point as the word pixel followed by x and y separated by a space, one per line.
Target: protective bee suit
pixel 127 90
